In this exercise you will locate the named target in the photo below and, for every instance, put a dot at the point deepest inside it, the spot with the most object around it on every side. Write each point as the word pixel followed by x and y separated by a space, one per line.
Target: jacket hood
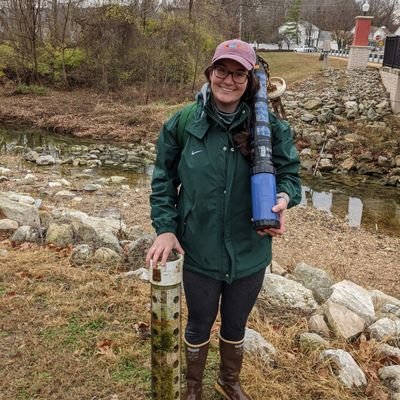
pixel 204 95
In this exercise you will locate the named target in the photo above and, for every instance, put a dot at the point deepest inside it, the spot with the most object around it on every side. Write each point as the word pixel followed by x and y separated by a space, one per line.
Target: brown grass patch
pixel 70 333
pixel 295 67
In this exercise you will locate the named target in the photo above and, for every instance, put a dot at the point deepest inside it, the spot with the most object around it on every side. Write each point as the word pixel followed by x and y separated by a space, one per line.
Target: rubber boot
pixel 228 384
pixel 196 357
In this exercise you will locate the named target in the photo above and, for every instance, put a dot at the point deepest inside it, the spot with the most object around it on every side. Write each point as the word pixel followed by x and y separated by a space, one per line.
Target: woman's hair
pixel 252 84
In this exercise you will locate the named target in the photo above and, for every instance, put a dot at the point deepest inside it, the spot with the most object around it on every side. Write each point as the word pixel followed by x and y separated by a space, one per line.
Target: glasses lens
pixel 221 72
pixel 239 77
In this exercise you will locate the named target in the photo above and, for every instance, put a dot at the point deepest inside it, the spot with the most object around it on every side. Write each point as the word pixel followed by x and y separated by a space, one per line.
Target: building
pixel 305 34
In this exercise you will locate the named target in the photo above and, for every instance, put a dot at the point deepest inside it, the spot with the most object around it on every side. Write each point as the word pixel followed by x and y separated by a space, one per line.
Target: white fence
pixel 373 57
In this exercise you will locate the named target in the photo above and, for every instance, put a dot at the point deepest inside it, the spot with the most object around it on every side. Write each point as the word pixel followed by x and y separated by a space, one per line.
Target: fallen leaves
pixel 104 348
pixel 142 330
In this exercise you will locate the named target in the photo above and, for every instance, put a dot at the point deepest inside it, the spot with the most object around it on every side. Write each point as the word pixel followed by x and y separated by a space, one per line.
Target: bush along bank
pixel 343 123
pixel 337 314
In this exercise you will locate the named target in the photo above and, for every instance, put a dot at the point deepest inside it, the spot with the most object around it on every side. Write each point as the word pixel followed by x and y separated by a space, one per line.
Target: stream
pixel 360 200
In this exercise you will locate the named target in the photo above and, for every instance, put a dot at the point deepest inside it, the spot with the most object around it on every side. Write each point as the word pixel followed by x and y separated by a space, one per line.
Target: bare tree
pixel 63 32
pixel 385 13
pixel 21 26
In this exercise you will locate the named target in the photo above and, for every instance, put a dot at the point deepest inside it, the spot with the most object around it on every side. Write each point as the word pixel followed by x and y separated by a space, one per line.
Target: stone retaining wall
pixel 391 80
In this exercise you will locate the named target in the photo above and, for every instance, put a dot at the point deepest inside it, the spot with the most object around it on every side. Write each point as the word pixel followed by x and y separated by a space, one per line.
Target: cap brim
pixel 237 58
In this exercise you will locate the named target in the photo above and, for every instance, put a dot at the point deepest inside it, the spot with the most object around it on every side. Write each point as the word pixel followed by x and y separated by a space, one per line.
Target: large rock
pixel 81 255
pixel 348 372
pixel 26 233
pixel 45 160
pixel 84 233
pixel 137 250
pixel 109 240
pixel 107 257
pixel 60 235
pixel 8 225
pixel 98 224
pixel 314 279
pixel 326 164
pixel 389 352
pixel 256 345
pixel 343 322
pixel 99 231
pixel 351 109
pixel 317 324
pixel 31 156
pixel 348 164
pixel 380 299
pixel 65 195
pixel 355 298
pixel 391 377
pixel 311 341
pixel 24 214
pixel 141 273
pixel 390 310
pixel 283 294
pixel 385 329
pixel 308 117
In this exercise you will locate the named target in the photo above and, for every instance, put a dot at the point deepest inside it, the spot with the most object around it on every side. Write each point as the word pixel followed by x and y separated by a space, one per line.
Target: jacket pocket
pixel 183 217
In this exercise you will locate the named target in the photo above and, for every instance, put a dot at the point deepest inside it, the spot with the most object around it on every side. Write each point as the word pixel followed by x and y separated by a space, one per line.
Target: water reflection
pixel 324 201
pixel 365 203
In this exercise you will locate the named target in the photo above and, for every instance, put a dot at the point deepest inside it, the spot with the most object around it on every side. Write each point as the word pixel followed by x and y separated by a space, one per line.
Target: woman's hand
pixel 161 248
pixel 280 208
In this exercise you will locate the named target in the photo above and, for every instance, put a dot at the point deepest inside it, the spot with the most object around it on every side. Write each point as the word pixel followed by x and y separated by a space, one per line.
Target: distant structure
pixel 359 50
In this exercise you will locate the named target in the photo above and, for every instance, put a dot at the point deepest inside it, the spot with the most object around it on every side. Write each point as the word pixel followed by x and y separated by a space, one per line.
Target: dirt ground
pixel 87 114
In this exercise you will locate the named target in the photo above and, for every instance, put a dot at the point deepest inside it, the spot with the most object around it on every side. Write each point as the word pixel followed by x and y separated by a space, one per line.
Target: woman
pixel 208 218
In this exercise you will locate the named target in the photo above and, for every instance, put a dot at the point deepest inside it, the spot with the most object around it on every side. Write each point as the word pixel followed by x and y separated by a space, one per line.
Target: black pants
pixel 203 297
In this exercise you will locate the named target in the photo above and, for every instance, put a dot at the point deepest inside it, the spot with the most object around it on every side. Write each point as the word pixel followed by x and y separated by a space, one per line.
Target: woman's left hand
pixel 280 208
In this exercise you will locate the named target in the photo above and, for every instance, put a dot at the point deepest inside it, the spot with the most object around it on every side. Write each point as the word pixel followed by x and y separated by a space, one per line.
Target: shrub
pixel 30 89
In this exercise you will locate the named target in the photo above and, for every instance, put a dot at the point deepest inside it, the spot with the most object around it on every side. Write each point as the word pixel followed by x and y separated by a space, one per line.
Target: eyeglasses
pixel 222 72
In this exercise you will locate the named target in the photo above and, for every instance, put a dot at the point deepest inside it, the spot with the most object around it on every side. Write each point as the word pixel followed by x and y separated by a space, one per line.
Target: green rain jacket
pixel 202 192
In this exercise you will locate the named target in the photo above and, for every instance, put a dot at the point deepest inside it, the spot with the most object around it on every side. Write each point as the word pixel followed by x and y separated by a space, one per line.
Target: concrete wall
pixel 358 57
pixel 391 80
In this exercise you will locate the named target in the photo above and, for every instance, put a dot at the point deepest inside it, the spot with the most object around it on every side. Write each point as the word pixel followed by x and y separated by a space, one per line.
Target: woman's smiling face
pixel 227 93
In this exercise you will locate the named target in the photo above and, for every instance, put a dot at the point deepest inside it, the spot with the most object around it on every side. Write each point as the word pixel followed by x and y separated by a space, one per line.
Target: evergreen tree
pixel 292 21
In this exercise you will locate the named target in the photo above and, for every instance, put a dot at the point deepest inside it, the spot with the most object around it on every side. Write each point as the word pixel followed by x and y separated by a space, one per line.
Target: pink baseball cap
pixel 237 50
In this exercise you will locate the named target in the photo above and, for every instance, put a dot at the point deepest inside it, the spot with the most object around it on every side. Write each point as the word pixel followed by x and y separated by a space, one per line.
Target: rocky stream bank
pixel 345 124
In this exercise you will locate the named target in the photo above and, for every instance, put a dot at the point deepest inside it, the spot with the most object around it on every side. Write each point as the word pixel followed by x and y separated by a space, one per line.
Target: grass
pixel 69 333
pixel 295 67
